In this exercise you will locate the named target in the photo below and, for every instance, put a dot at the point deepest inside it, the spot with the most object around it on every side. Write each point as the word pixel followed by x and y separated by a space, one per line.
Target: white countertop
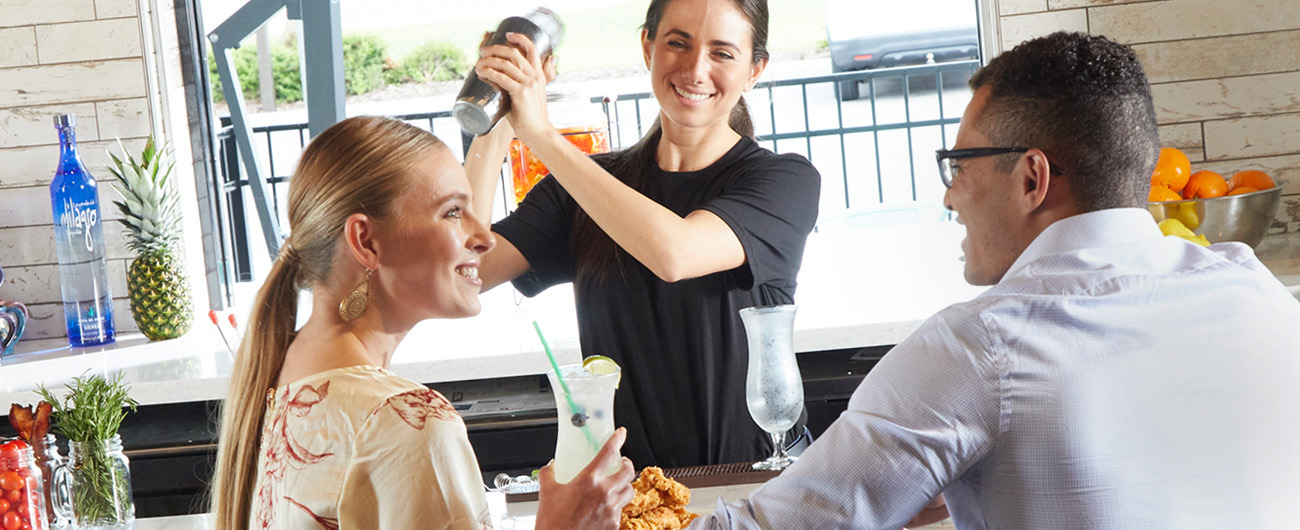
pixel 858 287
pixel 515 515
pixel 518 515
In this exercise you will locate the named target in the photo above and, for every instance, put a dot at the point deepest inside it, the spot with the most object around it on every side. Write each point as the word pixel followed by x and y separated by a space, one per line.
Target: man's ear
pixel 1036 177
pixel 358 233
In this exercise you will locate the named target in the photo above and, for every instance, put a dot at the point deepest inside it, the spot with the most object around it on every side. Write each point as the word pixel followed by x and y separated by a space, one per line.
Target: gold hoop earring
pixel 355 303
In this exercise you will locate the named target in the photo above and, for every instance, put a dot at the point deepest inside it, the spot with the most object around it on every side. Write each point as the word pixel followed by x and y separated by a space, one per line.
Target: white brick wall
pixel 1225 75
pixel 64 56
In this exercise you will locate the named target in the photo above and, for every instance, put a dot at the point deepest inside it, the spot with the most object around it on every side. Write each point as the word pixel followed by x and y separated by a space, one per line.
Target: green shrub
pixel 245 67
pixel 286 73
pixel 363 63
pixel 431 61
pixel 363 68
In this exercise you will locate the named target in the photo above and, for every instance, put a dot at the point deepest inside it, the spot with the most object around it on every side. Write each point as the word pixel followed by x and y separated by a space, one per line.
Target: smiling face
pixel 701 61
pixel 431 244
pixel 985 200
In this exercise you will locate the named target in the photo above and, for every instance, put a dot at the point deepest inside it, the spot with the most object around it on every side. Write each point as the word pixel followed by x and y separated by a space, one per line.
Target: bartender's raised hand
pixel 592 499
pixel 519 70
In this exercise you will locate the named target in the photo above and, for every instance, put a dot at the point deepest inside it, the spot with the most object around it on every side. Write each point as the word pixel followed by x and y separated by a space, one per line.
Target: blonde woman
pixel 316 432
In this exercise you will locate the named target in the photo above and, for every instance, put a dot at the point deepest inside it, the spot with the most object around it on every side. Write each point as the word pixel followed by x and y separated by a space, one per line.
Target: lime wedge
pixel 601 365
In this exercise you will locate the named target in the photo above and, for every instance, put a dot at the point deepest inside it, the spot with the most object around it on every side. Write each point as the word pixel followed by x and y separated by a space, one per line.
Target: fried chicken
pixel 642 502
pixel 678 494
pixel 659 504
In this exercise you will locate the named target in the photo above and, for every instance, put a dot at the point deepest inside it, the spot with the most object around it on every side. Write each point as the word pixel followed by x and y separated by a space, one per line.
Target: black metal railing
pixel 855 170
pixel 869 151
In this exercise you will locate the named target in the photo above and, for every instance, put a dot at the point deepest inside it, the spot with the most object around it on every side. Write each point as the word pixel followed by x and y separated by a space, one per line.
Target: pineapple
pixel 156 280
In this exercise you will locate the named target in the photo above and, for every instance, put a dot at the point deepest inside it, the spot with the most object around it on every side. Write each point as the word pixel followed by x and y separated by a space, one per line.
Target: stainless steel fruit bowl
pixel 1243 218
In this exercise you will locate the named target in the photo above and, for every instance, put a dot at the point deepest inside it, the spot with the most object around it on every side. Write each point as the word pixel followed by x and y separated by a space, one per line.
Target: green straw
pixel 573 407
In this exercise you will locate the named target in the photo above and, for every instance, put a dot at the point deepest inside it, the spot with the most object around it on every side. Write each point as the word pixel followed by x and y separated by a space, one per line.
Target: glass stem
pixel 778 445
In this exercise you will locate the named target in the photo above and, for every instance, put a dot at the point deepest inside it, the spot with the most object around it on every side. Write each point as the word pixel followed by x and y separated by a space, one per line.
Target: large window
pixel 867 103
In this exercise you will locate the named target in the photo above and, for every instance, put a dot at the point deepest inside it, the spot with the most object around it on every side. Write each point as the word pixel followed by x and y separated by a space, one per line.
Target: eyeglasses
pixel 947 158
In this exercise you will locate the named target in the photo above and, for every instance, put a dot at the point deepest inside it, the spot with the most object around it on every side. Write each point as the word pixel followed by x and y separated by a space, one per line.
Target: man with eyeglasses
pixel 1111 378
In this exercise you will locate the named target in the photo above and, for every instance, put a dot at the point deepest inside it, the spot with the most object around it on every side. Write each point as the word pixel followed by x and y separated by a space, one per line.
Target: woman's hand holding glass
pixel 593 499
pixel 519 71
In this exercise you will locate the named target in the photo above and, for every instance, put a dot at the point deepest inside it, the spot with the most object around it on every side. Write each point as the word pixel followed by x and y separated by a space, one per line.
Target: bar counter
pixel 710 483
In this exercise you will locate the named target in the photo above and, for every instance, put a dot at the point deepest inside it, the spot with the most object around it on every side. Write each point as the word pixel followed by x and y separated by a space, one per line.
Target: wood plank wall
pixel 1225 75
pixel 64 56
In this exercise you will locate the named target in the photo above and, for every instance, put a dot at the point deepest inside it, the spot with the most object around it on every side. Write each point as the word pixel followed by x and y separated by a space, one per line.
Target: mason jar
pixel 93 488
pixel 580 122
pixel 49 460
pixel 22 492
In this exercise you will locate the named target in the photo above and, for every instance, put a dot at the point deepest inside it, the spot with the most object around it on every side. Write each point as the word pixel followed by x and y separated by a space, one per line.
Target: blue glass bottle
pixel 79 237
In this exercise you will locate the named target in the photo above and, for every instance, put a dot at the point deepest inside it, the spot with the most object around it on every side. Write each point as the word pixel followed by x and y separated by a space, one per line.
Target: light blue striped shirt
pixel 1114 379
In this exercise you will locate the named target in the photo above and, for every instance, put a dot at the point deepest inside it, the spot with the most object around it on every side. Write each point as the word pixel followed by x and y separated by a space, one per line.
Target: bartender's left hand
pixel 518 70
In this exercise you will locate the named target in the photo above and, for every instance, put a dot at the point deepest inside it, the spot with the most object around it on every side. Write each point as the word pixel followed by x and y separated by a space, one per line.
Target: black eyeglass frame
pixel 945 156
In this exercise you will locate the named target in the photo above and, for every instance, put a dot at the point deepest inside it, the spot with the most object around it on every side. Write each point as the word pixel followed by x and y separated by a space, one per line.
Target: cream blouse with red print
pixel 360 447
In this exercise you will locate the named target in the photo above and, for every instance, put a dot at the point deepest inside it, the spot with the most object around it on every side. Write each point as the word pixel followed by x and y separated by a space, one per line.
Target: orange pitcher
pixel 583 125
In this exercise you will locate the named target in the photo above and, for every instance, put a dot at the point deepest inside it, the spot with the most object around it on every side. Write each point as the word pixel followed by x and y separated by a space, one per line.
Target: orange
pixel 1163 193
pixel 1251 178
pixel 1242 190
pixel 1172 169
pixel 1205 184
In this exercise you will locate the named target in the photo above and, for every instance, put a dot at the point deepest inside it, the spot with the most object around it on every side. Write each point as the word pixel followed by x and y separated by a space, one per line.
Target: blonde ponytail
pixel 256 369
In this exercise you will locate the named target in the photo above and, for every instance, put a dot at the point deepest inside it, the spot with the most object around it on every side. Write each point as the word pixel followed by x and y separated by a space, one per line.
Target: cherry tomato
pixel 14 495
pixel 21 510
pixel 4 506
pixel 26 526
pixel 11 480
pixel 8 456
pixel 13 447
pixel 11 521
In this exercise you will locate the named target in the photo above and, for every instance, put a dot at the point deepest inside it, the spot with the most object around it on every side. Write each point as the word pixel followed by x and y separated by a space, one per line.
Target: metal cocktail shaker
pixel 479 106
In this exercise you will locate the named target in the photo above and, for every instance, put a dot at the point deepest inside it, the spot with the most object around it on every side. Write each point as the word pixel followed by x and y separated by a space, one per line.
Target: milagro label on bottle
pixel 80 219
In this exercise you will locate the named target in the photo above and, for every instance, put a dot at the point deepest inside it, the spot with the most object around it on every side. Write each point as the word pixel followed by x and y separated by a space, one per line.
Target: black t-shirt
pixel 682 345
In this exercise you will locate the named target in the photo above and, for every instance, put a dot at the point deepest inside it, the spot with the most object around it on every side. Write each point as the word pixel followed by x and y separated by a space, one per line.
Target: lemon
pixel 1174 227
pixel 602 365
pixel 1186 213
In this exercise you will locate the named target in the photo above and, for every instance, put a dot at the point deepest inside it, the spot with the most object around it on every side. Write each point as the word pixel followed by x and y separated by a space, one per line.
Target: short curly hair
pixel 1085 102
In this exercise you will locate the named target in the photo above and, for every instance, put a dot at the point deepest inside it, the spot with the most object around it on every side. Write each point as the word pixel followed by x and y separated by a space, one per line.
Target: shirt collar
pixel 1113 226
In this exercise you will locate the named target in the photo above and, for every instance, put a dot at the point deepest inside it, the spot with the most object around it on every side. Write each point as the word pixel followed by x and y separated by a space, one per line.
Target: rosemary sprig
pixel 93 409
pixel 88 417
